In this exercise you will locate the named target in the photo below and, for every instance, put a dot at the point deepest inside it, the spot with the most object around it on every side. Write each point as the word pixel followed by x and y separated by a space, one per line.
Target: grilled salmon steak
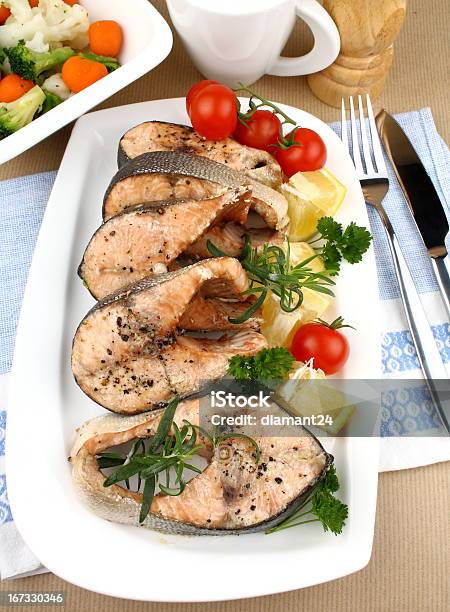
pixel 234 494
pixel 160 136
pixel 147 239
pixel 129 353
pixel 166 175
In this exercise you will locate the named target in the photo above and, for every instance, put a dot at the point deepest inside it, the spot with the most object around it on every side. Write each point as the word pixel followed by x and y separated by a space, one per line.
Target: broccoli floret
pixel 2 56
pixel 111 63
pixel 30 64
pixel 17 114
pixel 51 100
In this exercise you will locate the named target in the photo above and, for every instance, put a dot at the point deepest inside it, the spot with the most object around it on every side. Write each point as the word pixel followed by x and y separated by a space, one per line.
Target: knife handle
pixel 427 352
pixel 441 266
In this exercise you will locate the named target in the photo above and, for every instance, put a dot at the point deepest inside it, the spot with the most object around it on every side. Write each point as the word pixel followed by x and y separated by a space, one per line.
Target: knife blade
pixel 421 196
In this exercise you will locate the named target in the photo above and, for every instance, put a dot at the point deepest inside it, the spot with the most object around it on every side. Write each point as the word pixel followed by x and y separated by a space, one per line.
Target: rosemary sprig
pixel 154 462
pixel 269 269
pixel 171 448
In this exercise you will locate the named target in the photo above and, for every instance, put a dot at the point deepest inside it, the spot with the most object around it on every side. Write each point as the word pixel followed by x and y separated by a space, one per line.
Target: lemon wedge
pixel 279 327
pixel 310 196
pixel 325 405
pixel 313 300
pixel 299 251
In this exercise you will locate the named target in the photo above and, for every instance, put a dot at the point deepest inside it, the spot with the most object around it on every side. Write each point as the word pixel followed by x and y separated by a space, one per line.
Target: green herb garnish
pixel 269 269
pixel 153 462
pixel 165 452
pixel 324 507
pixel 267 364
pixel 349 244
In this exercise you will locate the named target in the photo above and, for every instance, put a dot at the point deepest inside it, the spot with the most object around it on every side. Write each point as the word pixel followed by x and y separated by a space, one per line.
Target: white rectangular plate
pixel 46 406
pixel 147 42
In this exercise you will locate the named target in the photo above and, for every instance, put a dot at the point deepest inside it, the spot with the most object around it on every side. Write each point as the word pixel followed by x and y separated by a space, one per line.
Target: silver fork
pixel 374 181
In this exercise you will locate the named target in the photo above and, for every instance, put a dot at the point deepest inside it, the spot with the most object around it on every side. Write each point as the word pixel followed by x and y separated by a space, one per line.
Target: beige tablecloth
pixel 410 563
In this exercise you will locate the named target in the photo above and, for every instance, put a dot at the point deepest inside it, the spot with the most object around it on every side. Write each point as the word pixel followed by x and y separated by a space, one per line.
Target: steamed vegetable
pixel 53 21
pixel 17 114
pixel 105 38
pixel 12 87
pixel 110 62
pixel 78 73
pixel 51 100
pixel 4 14
pixel 55 84
pixel 30 65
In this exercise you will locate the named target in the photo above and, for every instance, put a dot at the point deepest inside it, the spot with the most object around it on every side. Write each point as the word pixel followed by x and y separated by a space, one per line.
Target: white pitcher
pixel 241 40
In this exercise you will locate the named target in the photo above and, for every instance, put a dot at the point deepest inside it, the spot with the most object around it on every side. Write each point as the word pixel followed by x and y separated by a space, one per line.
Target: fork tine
pixel 365 143
pixel 376 145
pixel 344 133
pixel 355 140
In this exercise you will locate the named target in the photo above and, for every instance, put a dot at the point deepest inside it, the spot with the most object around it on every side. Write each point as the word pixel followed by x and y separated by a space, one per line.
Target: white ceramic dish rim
pixel 42 528
pixel 148 58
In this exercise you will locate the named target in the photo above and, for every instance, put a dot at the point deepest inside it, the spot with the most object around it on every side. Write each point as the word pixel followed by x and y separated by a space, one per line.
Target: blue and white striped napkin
pixel 23 203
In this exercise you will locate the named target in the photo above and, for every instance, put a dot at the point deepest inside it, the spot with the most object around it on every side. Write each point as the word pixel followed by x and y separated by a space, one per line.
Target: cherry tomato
pixel 213 111
pixel 312 155
pixel 195 89
pixel 329 347
pixel 261 131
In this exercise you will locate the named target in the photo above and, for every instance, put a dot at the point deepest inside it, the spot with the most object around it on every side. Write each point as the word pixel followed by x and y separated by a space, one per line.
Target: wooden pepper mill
pixel 367 29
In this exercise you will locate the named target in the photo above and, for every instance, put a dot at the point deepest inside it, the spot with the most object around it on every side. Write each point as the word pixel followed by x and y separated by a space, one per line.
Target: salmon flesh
pixel 147 239
pixel 129 352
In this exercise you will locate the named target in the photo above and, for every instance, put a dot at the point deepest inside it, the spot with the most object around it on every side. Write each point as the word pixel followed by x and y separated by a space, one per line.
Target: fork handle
pixel 441 266
pixel 427 352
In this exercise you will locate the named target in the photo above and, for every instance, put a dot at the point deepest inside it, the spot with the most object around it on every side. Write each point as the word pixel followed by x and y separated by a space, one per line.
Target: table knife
pixel 422 198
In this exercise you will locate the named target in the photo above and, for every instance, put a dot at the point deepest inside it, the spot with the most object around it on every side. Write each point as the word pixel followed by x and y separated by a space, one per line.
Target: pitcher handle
pixel 326 43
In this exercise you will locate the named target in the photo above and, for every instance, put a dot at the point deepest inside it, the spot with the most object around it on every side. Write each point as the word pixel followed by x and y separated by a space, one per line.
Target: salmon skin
pixel 161 136
pixel 164 175
pixel 148 238
pixel 233 495
pixel 129 353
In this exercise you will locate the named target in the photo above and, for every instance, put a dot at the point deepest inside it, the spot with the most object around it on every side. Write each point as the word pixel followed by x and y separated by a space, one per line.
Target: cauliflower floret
pixel 55 84
pixel 45 26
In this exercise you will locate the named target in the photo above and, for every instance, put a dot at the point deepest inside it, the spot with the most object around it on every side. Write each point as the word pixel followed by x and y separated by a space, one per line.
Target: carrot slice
pixel 12 87
pixel 78 73
pixel 105 38
pixel 4 14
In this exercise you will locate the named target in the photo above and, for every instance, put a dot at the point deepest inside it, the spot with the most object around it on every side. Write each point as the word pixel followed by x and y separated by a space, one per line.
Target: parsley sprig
pixel 349 244
pixel 267 364
pixel 269 269
pixel 324 507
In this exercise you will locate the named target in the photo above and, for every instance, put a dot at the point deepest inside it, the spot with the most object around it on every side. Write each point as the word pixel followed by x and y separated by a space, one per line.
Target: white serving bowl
pixel 147 42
